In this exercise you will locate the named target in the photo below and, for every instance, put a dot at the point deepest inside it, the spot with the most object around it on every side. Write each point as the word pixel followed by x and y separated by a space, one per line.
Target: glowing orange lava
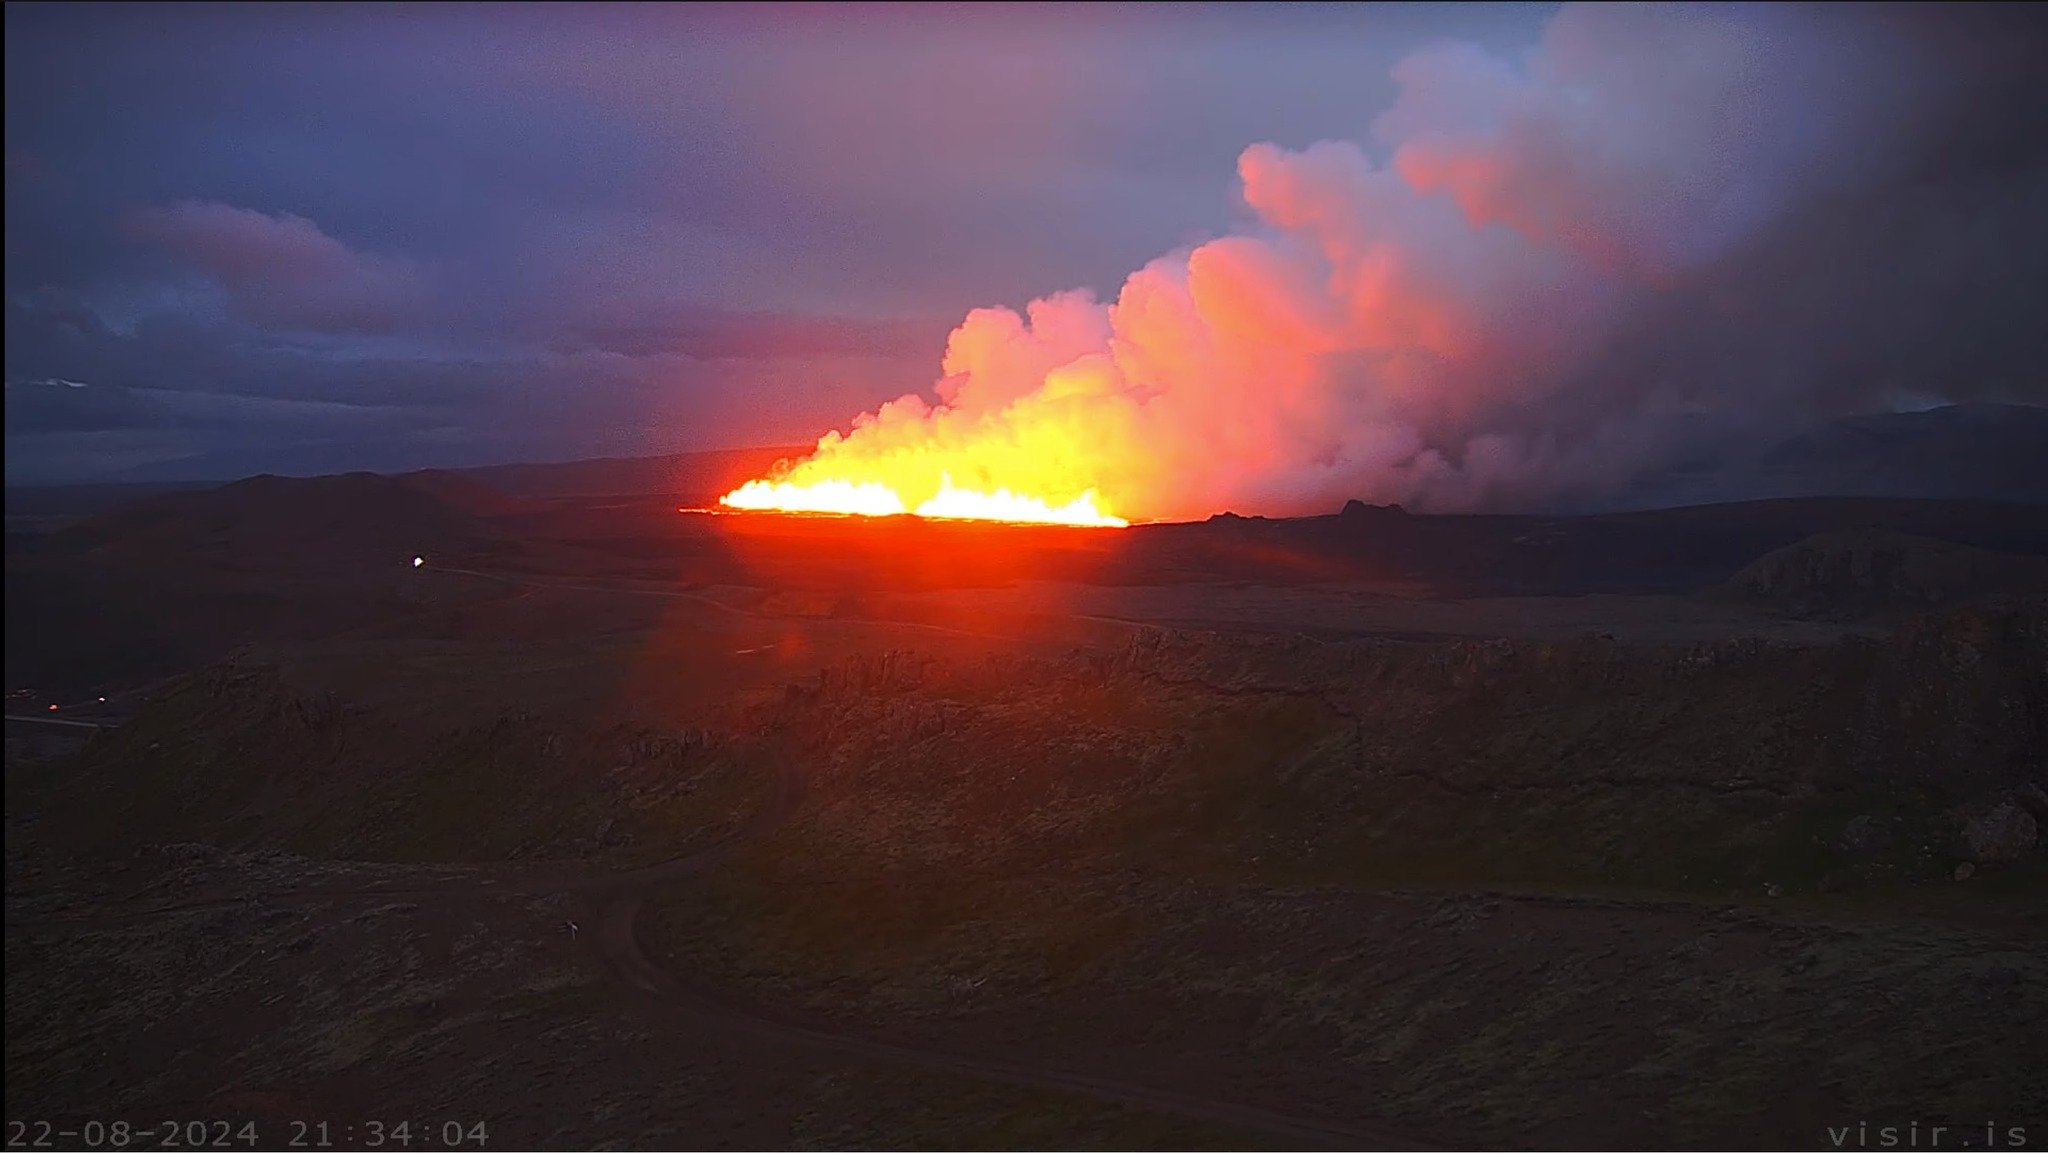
pixel 1003 505
pixel 866 499
pixel 950 502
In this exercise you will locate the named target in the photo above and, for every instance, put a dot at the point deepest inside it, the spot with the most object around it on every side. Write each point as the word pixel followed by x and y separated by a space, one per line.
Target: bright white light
pixel 418 561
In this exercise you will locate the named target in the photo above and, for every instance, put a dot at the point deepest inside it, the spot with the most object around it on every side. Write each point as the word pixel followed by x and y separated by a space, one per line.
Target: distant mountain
pixel 1957 452
pixel 353 518
pixel 691 478
pixel 1848 573
pixel 174 579
pixel 465 494
pixel 1989 451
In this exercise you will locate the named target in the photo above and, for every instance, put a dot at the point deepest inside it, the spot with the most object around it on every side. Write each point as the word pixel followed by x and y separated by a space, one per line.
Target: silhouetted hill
pixel 1957 452
pixel 340 520
pixel 690 478
pixel 1853 573
pixel 466 494
pixel 180 577
pixel 1993 451
pixel 1662 550
pixel 685 478
pixel 162 583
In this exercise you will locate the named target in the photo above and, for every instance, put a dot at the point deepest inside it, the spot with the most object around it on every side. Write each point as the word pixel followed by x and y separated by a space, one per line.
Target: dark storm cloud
pixel 281 270
pixel 403 235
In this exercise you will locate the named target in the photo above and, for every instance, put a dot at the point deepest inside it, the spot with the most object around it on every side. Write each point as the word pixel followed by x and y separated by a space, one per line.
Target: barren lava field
pixel 614 825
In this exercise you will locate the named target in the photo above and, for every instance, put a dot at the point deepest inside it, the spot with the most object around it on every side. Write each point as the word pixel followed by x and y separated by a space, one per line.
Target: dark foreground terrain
pixel 611 825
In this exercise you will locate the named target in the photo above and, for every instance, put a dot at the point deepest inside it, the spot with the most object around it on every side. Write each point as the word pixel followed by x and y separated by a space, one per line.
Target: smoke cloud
pixel 282 270
pixel 1535 278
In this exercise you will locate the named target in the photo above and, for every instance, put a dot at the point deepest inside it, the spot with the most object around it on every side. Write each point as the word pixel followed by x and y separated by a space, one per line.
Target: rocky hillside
pixel 1720 768
pixel 1739 888
pixel 1855 573
pixel 352 520
pixel 236 756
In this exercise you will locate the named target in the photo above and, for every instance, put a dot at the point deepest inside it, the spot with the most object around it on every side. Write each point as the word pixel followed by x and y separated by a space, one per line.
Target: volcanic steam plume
pixel 1432 320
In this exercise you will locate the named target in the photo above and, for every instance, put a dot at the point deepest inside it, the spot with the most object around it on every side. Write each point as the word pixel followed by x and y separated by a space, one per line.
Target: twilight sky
pixel 307 239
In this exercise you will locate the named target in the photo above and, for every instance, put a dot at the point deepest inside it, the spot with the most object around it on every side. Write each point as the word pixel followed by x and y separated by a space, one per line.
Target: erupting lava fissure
pixel 875 499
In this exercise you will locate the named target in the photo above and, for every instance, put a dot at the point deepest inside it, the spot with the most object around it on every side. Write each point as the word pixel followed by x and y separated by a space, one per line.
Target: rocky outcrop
pixel 1865 836
pixel 2002 834
pixel 1358 511
pixel 1855 573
